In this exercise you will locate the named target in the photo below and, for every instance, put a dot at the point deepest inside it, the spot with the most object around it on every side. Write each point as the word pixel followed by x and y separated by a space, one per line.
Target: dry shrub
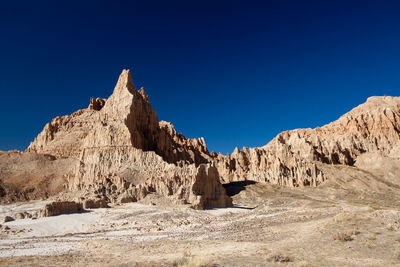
pixel 279 257
pixel 342 237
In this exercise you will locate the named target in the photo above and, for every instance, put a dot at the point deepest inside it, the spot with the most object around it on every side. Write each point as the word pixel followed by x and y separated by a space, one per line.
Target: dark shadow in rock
pixel 233 207
pixel 243 207
pixel 234 188
pixel 70 212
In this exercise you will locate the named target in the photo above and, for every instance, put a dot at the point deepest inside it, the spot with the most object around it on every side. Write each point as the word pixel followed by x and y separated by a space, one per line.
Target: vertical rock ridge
pixel 294 157
pixel 117 143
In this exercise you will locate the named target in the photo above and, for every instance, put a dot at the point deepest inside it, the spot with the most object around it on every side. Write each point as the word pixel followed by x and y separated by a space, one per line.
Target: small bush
pixel 279 257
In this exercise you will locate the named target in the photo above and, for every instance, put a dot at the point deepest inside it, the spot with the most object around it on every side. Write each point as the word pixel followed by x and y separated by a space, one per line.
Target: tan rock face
pixel 60 207
pixel 133 173
pixel 291 158
pixel 124 152
pixel 177 148
pixel 125 119
pixel 116 150
pixel 94 203
pixel 206 189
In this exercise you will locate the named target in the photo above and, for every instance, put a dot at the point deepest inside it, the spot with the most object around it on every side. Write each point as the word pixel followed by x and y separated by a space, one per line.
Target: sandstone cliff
pixel 125 153
pixel 116 150
pixel 293 157
pixel 125 119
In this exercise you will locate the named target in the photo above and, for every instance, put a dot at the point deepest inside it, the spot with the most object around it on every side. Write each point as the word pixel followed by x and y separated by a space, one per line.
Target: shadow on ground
pixel 234 188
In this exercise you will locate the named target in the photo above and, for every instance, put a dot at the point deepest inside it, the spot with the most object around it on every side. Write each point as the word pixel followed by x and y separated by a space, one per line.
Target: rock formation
pixel 116 150
pixel 294 158
pixel 60 207
pixel 125 119
pixel 124 152
pixel 94 203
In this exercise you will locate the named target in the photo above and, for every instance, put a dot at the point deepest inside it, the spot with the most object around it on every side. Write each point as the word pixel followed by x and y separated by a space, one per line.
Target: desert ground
pixel 268 226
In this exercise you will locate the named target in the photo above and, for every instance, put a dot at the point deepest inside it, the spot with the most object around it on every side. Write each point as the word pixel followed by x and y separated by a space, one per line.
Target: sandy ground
pixel 268 226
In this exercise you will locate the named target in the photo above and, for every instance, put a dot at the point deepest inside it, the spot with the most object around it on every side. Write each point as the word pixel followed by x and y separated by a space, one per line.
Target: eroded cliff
pixel 294 158
pixel 124 153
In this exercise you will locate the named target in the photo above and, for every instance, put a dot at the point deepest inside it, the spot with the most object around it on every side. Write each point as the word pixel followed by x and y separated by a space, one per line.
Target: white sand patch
pixel 59 225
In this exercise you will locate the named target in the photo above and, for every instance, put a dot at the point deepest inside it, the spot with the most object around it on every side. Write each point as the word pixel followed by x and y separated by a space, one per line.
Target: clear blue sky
pixel 235 72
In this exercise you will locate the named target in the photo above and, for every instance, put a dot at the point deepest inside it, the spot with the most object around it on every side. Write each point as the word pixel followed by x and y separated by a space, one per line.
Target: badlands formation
pixel 300 157
pixel 333 190
pixel 117 150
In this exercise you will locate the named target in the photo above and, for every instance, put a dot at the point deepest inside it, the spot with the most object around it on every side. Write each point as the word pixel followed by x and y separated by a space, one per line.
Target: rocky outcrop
pixel 94 203
pixel 292 157
pixel 60 207
pixel 116 150
pixel 124 152
pixel 207 190
pixel 177 148
pixel 144 172
pixel 125 119
pixel 96 103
